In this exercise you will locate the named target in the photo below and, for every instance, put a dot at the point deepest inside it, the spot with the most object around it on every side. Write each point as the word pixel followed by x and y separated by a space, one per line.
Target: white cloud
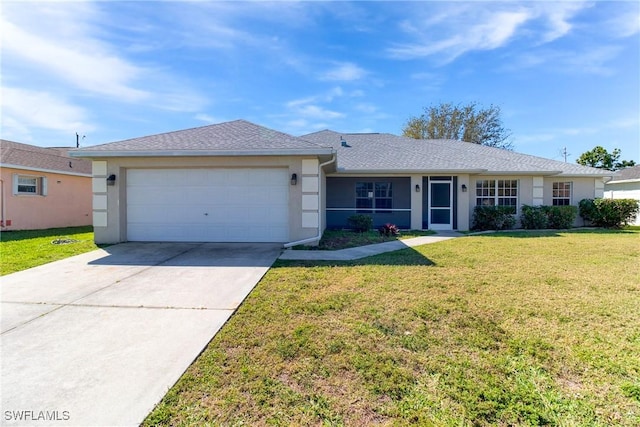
pixel 71 55
pixel 329 96
pixel 591 60
pixel 345 72
pixel 207 118
pixel 557 16
pixel 310 113
pixel 455 30
pixel 492 32
pixel 23 110
pixel 317 112
pixel 562 133
pixel 69 44
pixel 625 22
pixel 366 108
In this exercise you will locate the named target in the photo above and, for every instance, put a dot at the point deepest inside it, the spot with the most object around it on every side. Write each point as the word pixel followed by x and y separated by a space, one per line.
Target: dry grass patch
pixel 505 329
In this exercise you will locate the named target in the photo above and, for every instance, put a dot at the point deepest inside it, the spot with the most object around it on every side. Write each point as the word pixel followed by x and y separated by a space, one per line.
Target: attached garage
pixel 230 182
pixel 208 205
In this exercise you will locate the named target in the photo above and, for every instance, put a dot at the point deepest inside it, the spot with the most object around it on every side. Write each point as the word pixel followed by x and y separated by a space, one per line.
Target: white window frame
pixel 40 185
pixel 376 191
pixel 558 193
pixel 494 192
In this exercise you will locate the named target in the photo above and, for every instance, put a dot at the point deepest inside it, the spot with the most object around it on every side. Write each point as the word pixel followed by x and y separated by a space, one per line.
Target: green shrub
pixel 609 213
pixel 587 210
pixel 360 223
pixel 540 217
pixel 533 218
pixel 560 217
pixel 493 218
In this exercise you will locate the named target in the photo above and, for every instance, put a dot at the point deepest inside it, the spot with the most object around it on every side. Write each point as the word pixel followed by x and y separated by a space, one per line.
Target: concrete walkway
pixel 369 250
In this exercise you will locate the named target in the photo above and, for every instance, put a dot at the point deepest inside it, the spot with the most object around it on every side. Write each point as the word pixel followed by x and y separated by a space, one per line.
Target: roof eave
pixel 624 181
pixel 200 153
pixel 44 170
pixel 343 171
pixel 526 173
pixel 584 175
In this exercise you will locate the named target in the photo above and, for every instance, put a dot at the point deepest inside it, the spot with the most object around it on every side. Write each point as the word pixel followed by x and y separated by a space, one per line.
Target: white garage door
pixel 208 205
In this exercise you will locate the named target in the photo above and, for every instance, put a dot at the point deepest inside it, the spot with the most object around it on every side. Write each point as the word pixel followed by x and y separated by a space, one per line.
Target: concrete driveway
pixel 99 338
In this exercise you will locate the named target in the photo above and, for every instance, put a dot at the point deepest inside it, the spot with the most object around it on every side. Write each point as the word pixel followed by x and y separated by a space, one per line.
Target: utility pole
pixel 565 154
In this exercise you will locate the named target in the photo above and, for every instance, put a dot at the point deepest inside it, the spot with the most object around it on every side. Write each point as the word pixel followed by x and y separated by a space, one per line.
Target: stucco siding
pixel 581 188
pixel 116 220
pixel 67 202
pixel 525 191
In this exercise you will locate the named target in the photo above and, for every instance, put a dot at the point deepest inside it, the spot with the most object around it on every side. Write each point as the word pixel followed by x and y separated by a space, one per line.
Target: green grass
pixel 535 328
pixel 20 250
pixel 341 239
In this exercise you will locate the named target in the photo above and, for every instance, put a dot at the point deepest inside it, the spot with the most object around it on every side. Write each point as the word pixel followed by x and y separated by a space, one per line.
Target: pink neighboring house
pixel 43 188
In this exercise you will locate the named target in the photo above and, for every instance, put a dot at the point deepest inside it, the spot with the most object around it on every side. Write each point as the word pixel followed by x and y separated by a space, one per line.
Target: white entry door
pixel 208 205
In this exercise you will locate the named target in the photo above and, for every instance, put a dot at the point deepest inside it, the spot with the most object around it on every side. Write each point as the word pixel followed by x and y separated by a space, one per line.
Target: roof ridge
pixel 170 132
pixel 47 151
pixel 231 136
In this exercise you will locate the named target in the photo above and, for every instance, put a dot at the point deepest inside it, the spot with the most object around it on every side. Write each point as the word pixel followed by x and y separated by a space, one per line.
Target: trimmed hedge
pixel 493 218
pixel 360 223
pixel 541 217
pixel 609 213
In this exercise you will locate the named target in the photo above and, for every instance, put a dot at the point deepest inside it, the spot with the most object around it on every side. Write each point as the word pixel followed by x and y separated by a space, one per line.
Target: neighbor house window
pixel 29 185
pixel 561 194
pixel 497 192
pixel 374 197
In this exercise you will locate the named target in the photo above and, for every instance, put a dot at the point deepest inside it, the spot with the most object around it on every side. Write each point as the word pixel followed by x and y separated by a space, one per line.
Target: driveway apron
pixel 99 338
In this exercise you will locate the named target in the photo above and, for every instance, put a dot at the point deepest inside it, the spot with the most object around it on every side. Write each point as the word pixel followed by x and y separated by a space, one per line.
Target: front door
pixel 440 205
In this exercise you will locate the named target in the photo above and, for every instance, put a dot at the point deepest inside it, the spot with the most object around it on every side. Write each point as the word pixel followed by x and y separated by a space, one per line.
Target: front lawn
pixel 20 250
pixel 501 329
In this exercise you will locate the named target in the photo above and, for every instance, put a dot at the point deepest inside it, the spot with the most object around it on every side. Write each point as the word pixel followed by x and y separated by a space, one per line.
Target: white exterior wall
pixel 536 190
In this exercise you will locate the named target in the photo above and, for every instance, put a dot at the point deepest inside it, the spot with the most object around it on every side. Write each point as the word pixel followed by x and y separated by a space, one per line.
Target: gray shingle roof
pixel 627 174
pixel 386 152
pixel 15 154
pixel 235 137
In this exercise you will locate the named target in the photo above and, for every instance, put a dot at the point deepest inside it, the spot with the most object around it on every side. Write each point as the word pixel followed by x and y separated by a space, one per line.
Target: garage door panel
pixel 267 178
pixel 278 198
pixel 225 205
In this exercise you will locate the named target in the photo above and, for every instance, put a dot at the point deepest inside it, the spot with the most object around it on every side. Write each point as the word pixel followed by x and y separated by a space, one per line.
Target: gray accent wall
pixel 341 201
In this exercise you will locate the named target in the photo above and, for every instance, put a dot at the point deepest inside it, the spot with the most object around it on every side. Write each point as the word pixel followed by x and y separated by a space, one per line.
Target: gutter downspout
pixel 319 236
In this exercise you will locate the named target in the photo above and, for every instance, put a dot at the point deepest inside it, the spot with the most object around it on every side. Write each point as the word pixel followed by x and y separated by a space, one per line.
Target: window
pixel 561 194
pixel 374 197
pixel 384 201
pixel 501 192
pixel 29 185
pixel 364 197
pixel 485 193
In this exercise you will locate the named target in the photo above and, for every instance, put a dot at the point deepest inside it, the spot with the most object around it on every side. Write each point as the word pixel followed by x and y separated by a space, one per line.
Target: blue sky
pixel 565 74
